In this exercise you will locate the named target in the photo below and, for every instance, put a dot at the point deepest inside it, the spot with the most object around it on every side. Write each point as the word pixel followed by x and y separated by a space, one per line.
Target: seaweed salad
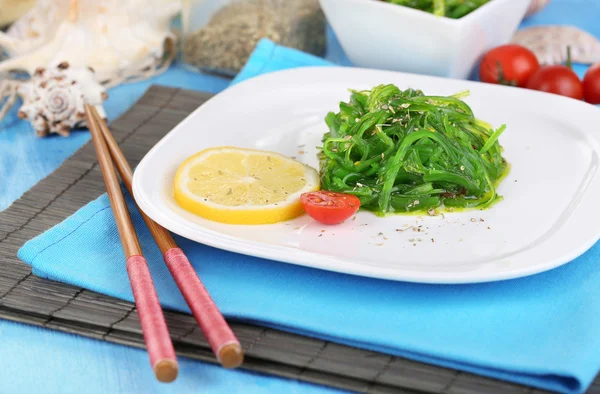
pixel 402 151
pixel 454 9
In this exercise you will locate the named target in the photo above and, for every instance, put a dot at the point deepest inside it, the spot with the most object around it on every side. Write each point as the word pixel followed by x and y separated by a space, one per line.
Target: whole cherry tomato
pixel 508 65
pixel 558 80
pixel 591 85
pixel 329 207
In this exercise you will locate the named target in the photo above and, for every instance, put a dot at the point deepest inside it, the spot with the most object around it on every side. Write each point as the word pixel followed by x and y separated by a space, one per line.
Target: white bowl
pixel 376 34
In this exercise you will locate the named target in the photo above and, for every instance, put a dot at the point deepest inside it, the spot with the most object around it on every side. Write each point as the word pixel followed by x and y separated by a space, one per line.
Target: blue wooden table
pixel 38 360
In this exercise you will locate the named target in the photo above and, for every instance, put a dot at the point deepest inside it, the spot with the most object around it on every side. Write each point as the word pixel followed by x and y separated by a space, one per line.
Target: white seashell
pixel 118 39
pixel 54 98
pixel 536 6
pixel 549 43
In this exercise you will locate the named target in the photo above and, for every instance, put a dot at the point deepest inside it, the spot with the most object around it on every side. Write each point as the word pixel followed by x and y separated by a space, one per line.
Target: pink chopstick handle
pixel 156 334
pixel 213 324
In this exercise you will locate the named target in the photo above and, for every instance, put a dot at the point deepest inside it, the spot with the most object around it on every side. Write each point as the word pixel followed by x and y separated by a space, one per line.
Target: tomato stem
pixel 569 60
pixel 501 79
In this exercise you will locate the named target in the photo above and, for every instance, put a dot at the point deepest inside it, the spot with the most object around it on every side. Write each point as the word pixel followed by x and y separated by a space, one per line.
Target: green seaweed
pixel 402 151
pixel 454 9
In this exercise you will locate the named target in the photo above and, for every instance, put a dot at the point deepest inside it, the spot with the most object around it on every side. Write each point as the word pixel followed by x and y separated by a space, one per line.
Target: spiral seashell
pixel 54 98
pixel 58 100
pixel 536 6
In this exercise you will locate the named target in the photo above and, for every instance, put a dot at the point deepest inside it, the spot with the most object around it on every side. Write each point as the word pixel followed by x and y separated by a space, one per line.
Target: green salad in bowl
pixel 454 9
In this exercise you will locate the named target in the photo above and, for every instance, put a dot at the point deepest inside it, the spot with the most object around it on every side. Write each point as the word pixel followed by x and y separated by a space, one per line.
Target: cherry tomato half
pixel 591 85
pixel 558 80
pixel 508 65
pixel 329 207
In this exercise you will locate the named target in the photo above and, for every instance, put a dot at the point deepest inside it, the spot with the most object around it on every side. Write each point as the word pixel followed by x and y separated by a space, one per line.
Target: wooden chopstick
pixel 156 334
pixel 221 338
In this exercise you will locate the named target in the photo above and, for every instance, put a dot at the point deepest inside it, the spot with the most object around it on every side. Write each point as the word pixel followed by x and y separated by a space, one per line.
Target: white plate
pixel 548 216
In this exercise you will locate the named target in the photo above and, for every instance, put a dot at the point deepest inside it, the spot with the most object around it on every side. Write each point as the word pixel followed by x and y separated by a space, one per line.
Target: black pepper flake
pixel 432 240
pixel 320 235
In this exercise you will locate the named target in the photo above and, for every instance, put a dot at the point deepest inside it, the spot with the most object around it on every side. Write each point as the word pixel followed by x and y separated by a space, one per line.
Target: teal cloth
pixel 268 57
pixel 541 330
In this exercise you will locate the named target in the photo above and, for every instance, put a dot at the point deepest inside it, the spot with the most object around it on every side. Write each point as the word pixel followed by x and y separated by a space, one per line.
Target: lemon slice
pixel 243 186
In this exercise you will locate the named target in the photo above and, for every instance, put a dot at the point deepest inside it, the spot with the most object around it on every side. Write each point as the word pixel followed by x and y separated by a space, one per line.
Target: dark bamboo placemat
pixel 33 300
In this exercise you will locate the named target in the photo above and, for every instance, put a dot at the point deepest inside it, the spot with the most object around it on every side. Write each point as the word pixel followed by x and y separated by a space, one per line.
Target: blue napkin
pixel 268 57
pixel 541 330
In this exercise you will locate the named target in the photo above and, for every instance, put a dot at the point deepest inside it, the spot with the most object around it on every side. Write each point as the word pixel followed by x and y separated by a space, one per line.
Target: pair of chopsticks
pixel 222 340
